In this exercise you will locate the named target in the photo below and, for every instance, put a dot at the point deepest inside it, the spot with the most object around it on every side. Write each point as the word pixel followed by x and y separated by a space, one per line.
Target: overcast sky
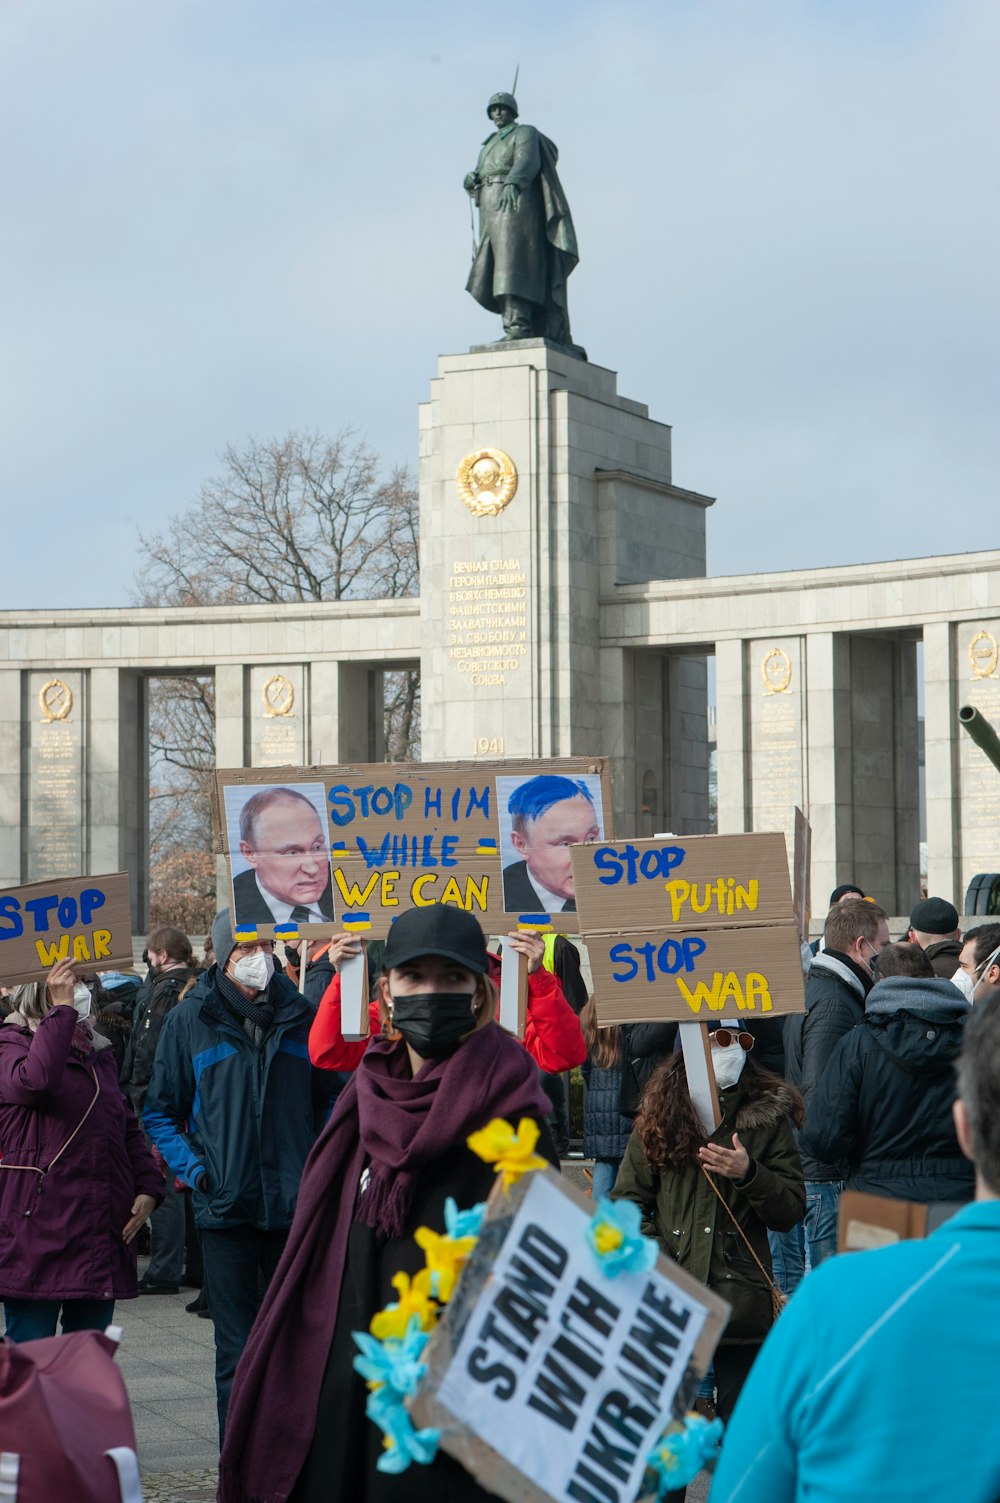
pixel 230 218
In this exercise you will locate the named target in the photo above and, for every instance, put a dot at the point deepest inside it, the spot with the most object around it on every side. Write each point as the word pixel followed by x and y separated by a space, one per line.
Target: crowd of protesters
pixel 217 1110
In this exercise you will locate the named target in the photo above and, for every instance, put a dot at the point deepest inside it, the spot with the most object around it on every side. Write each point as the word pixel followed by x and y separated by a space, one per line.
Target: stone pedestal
pixel 510 583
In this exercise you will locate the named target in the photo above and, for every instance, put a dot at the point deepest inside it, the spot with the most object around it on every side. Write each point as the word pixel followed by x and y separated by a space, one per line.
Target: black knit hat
pixel 439 929
pixel 934 916
pixel 843 890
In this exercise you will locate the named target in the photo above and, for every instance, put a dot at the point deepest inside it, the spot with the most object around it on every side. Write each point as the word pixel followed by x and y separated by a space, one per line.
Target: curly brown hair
pixel 667 1124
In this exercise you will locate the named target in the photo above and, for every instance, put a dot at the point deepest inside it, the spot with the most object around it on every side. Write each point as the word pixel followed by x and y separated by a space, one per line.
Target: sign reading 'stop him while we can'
pixel 689 928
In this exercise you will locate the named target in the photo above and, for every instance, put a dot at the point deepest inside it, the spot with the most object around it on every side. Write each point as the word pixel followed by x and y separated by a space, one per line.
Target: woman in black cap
pixel 393 1151
pixel 709 1202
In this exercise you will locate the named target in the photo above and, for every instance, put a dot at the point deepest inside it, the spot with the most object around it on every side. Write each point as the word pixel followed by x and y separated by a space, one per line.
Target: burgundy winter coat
pixel 61 1233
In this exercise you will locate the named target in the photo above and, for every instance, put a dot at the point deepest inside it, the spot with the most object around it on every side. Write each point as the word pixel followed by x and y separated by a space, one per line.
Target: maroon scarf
pixel 398 1124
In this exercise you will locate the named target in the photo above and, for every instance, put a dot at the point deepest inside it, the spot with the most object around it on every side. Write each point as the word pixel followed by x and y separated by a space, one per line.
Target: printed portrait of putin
pixel 548 814
pixel 284 844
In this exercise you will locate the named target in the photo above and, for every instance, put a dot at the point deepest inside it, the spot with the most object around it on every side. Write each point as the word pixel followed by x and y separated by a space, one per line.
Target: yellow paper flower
pixel 414 1299
pixel 607 1238
pixel 511 1153
pixel 446 1257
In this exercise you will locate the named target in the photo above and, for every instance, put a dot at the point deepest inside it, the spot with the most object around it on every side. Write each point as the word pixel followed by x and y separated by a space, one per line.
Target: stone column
pixel 277 712
pixel 942 735
pixel 777 707
pixel 828 764
pixel 733 809
pixel 976 659
pixel 57 808
pixel 10 777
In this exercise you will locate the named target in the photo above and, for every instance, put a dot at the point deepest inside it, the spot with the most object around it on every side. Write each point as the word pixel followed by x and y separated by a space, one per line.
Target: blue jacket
pixel 876 1381
pixel 243 1116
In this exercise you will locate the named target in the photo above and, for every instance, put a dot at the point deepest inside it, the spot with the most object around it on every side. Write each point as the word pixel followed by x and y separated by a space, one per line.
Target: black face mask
pixel 432 1023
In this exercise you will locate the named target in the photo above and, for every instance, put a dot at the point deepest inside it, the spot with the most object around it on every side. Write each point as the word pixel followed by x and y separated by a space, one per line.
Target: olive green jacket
pixel 681 1211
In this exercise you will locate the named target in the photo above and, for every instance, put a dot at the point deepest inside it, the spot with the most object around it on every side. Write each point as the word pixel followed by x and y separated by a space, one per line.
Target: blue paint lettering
pixel 341 804
pixel 449 845
pixel 374 855
pixel 432 801
pixel 91 898
pixel 10 913
pixel 665 959
pixel 40 908
pixel 67 912
pixel 479 801
pixel 633 863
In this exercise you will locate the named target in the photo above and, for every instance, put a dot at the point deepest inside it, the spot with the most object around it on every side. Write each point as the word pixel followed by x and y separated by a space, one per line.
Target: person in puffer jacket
pixel 552 1034
pixel 605 1131
pixel 883 1102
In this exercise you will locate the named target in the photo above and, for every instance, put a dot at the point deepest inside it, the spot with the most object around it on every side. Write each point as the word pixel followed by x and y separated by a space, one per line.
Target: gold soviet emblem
pixel 278 695
pixel 487 481
pixel 984 654
pixel 55 700
pixel 776 671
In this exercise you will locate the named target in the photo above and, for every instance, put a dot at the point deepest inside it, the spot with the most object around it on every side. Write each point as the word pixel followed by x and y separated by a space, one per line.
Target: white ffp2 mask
pixel 82 1000
pixel 254 970
pixel 728 1065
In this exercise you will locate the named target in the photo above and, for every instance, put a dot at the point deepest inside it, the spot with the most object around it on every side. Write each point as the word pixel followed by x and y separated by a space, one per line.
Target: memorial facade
pixel 564 610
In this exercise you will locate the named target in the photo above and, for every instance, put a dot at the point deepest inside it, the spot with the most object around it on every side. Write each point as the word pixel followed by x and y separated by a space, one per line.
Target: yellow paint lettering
pixel 354 895
pixel 49 954
pixel 477 890
pixel 452 893
pixel 706 902
pixel 746 897
pixel 732 991
pixel 389 898
pixel 101 940
pixel 702 994
pixel 677 892
pixel 758 992
pixel 427 879
pixel 81 949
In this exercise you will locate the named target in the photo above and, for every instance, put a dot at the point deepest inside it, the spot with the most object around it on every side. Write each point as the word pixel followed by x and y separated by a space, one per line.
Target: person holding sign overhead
pixel 710 1203
pixel 392 1153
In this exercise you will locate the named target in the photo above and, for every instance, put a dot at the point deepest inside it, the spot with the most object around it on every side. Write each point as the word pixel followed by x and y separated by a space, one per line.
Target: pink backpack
pixel 65 1425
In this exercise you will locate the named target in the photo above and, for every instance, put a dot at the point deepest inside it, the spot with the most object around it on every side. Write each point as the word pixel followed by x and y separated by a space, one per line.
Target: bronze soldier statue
pixel 527 244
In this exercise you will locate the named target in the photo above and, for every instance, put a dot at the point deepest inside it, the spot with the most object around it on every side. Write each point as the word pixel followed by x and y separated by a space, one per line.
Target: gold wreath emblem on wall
pixel 278 695
pixel 55 700
pixel 984 654
pixel 776 671
pixel 487 481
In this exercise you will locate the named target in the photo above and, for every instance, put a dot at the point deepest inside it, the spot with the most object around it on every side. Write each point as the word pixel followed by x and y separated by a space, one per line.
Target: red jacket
pixel 551 1031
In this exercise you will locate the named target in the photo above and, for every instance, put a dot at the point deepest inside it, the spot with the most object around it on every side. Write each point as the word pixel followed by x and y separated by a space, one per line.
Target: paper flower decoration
pixel 446 1258
pixel 463 1223
pixel 394 1364
pixel 677 1459
pixel 511 1153
pixel 414 1300
pixel 615 1236
pixel 403 1444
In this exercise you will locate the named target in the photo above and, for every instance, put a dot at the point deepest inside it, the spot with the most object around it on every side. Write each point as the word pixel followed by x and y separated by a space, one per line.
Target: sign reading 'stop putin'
pixel 313 849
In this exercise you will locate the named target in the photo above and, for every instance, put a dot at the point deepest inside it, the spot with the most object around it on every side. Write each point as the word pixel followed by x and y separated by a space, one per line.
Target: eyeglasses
pixel 723 1037
pixel 256 947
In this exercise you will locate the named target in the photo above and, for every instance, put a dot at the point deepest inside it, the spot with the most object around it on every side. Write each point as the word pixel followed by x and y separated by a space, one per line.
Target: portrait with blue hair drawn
pixel 540 818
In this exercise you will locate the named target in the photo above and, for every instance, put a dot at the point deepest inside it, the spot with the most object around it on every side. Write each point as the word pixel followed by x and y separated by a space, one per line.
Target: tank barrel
pixel 981 732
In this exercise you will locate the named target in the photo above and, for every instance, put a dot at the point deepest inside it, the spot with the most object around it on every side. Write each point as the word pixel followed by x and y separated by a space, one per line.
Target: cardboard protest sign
pixel 865 1221
pixel 549 1380
pixel 311 848
pixel 84 919
pixel 689 927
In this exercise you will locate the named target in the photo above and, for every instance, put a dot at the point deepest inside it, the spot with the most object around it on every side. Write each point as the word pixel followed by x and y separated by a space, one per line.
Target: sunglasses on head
pixel 723 1037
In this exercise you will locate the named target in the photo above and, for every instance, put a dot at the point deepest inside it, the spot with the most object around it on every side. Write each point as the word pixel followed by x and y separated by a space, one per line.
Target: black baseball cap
pixel 934 916
pixel 438 929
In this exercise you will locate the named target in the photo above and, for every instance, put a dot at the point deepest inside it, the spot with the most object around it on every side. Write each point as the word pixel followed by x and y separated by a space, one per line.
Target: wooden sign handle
pixel 700 1075
pixel 354 1014
pixel 513 991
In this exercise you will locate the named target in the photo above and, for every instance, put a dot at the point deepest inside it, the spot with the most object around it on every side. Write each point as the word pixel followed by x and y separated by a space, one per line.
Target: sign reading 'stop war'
pixel 689 927
pixel 313 848
pixel 87 920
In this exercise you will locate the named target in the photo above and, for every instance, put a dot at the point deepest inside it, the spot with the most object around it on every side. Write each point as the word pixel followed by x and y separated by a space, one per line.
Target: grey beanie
pixel 222 937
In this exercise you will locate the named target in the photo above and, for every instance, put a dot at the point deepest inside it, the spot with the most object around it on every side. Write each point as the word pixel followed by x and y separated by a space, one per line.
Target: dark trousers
pixel 30 1319
pixel 166 1228
pixel 732 1365
pixel 239 1263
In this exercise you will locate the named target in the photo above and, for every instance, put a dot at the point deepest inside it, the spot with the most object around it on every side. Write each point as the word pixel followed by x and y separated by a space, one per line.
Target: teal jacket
pixel 878 1380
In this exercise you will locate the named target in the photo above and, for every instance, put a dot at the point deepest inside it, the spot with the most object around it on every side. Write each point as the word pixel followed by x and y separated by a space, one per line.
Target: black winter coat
pixel 605 1130
pixel 644 1045
pixel 161 997
pixel 835 1003
pixel 884 1102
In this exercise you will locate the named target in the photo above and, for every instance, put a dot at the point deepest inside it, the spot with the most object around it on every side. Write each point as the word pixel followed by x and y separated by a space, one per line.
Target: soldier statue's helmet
pixel 506 99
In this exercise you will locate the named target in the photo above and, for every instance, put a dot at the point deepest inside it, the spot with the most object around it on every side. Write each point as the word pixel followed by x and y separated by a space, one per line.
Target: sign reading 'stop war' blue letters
pixel 689 927
pixel 86 920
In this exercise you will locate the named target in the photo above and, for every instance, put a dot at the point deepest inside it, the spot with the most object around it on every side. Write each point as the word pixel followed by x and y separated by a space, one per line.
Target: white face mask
pixel 965 984
pixel 728 1065
pixel 254 970
pixel 82 1000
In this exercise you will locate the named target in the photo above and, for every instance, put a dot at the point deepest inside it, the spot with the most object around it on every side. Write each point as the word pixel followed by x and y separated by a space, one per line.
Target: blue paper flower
pixel 463 1223
pixel 403 1444
pixel 392 1362
pixel 677 1459
pixel 616 1239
